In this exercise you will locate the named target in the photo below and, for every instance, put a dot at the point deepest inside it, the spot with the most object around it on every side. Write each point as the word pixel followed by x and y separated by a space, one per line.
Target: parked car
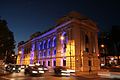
pixel 13 68
pixel 63 71
pixel 33 70
pixel 42 67
pixel 16 68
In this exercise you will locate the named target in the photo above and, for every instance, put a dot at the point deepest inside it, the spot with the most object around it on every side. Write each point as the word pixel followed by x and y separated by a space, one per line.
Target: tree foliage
pixel 7 42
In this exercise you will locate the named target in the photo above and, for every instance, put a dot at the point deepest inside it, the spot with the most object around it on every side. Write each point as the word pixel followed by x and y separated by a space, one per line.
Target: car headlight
pixel 22 66
pixel 66 74
pixel 13 68
pixel 45 69
pixel 41 71
pixel 70 70
pixel 34 72
pixel 64 71
pixel 19 68
pixel 6 65
pixel 40 68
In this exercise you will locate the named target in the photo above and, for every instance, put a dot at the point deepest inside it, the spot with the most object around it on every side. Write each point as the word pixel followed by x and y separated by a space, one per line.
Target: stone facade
pixel 72 43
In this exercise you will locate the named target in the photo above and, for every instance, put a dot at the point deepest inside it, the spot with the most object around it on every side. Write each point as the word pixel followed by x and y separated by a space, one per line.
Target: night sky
pixel 25 17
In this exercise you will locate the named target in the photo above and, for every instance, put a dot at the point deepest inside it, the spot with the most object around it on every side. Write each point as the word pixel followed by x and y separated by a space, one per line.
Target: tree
pixel 116 39
pixel 7 42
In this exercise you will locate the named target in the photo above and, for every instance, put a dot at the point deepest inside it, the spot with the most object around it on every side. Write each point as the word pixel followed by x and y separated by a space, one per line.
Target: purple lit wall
pixel 32 54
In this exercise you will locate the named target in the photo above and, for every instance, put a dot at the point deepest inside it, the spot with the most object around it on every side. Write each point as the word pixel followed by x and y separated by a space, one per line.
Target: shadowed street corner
pixel 87 74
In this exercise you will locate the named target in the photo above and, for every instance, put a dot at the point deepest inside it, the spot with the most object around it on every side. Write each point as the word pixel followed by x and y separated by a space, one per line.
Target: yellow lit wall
pixel 70 48
pixel 18 59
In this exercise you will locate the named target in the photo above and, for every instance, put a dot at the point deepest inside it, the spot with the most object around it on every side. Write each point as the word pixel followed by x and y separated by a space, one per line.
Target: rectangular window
pixel 64 62
pixel 48 63
pixel 87 49
pixel 44 54
pixel 54 52
pixel 89 63
pixel 48 52
pixel 54 63
pixel 41 46
pixel 44 63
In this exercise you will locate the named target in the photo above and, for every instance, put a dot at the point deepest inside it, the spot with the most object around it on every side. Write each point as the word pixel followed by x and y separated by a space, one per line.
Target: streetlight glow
pixel 20 52
pixel 102 45
pixel 62 38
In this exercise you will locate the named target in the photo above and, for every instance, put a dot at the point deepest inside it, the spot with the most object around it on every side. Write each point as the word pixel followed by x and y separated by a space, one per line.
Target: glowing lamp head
pixel 62 38
pixel 20 52
pixel 102 45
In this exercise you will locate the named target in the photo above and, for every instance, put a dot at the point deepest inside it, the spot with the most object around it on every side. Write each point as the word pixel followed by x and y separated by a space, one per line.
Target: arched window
pixel 54 42
pixel 49 44
pixel 44 45
pixel 41 45
pixel 64 42
pixel 44 55
pixel 48 53
pixel 33 47
pixel 65 38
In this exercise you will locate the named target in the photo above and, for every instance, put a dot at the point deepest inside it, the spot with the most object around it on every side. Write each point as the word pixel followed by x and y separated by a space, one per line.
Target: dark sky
pixel 25 17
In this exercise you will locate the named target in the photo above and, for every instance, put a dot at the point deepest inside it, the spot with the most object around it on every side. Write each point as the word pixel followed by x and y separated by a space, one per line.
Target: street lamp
pixel 13 55
pixel 62 38
pixel 102 45
pixel 104 51
pixel 20 52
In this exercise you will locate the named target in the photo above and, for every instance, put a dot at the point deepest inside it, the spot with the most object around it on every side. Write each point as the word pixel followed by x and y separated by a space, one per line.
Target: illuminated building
pixel 72 43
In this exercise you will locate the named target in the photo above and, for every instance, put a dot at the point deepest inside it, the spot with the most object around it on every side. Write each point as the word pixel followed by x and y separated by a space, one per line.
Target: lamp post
pixel 103 51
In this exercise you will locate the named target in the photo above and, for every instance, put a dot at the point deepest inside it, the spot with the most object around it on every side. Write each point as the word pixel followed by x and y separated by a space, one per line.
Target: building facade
pixel 72 43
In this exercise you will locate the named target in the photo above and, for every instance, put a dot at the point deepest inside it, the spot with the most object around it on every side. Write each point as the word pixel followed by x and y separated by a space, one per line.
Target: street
pixel 48 76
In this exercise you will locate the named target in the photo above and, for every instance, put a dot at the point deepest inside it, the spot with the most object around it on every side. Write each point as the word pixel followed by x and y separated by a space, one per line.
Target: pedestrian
pixel 89 69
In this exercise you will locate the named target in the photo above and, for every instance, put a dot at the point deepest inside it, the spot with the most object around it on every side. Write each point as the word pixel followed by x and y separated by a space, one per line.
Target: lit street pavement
pixel 49 76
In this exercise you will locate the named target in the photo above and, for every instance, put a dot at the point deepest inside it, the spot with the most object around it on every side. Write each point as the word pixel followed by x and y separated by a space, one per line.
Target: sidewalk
pixel 92 74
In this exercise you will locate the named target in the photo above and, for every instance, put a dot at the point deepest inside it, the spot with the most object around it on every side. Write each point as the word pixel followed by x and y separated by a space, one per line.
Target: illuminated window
pixel 54 52
pixel 41 45
pixel 48 52
pixel 49 44
pixel 44 45
pixel 54 42
pixel 44 55
pixel 33 47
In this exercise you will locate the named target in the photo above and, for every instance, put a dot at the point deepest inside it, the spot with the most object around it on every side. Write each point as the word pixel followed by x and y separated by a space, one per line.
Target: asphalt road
pixel 47 76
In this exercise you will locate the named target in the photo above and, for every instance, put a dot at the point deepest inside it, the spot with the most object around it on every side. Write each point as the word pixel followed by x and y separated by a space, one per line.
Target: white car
pixel 63 71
